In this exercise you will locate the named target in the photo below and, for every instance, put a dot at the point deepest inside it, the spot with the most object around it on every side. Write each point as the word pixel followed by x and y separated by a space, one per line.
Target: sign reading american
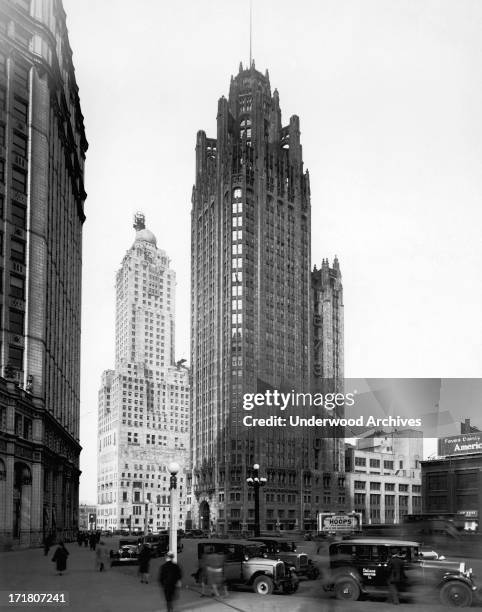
pixel 460 445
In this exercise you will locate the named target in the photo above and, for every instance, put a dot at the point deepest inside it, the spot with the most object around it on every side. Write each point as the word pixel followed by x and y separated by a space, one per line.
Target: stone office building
pixel 383 473
pixel 143 418
pixel 251 320
pixel 42 154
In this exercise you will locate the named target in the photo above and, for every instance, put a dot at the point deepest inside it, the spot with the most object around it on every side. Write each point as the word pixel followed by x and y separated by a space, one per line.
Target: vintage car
pixel 286 551
pixel 159 543
pixel 359 567
pixel 195 533
pixel 246 564
pixel 127 553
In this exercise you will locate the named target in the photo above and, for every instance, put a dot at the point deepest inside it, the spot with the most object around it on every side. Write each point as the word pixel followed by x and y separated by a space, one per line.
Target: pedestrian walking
pixel 215 573
pixel 201 575
pixel 170 576
pixel 49 540
pixel 101 557
pixel 144 562
pixel 60 558
pixel 396 576
pixel 92 541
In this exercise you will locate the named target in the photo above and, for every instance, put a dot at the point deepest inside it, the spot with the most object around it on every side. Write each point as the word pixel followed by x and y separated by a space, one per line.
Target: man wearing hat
pixel 396 574
pixel 170 578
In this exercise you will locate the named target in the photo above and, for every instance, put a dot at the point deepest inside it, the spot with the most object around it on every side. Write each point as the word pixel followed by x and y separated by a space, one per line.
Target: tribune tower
pixel 251 308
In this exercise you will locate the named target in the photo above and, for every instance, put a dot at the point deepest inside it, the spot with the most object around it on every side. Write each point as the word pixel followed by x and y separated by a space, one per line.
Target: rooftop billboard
pixel 462 444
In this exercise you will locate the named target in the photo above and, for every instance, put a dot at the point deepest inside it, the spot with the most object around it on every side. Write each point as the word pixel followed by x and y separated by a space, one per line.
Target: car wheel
pixel 456 595
pixel 263 585
pixel 347 589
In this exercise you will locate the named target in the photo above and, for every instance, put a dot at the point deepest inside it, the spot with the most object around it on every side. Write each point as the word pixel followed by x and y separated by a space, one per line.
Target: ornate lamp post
pixel 173 468
pixel 256 482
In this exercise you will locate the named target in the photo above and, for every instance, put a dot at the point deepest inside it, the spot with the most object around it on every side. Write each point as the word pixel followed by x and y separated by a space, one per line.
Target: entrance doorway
pixel 204 516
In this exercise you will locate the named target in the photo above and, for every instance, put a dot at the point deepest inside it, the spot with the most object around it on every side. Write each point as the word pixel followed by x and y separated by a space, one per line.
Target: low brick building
pixel 452 482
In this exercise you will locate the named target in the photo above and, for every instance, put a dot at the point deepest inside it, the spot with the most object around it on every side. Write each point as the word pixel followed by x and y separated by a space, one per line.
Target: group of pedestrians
pixel 170 573
pixel 169 577
pixel 88 538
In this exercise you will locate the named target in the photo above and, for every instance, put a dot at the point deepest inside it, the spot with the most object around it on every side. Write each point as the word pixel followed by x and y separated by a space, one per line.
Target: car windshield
pixel 286 547
pixel 256 550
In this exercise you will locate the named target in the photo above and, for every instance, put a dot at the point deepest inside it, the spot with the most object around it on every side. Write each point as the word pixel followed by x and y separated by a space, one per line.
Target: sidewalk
pixel 116 590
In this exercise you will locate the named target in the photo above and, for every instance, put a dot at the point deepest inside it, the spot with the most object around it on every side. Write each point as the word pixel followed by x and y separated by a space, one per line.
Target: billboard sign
pixel 463 444
pixel 330 522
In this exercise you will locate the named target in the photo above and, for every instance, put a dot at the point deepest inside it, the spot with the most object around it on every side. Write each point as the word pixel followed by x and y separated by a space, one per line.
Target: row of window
pixel 375 499
pixel 375 463
pixel 389 486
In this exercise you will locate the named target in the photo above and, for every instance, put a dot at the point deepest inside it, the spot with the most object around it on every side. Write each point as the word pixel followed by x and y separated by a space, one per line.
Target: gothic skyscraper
pixel 251 326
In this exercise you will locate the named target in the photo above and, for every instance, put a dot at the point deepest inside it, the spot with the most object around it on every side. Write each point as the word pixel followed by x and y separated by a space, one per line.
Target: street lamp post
pixel 173 468
pixel 256 483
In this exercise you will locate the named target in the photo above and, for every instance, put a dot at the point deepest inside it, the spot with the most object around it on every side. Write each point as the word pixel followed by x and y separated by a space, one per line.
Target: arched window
pixel 245 129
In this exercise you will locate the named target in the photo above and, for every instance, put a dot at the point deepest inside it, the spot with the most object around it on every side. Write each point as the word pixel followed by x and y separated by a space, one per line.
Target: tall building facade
pixel 42 155
pixel 330 488
pixel 251 324
pixel 143 412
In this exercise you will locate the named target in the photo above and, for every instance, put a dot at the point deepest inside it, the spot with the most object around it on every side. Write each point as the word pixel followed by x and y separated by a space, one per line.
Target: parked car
pixel 127 553
pixel 195 533
pixel 159 543
pixel 360 567
pixel 247 565
pixel 286 551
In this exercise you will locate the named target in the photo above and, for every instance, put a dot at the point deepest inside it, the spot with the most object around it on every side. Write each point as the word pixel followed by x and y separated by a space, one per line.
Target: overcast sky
pixel 389 96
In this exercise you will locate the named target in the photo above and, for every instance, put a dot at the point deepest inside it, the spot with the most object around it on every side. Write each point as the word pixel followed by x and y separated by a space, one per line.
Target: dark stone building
pixel 452 483
pixel 328 443
pixel 251 321
pixel 42 153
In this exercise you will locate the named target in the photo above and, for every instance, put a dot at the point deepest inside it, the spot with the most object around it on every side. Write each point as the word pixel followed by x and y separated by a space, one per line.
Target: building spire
pixel 250 32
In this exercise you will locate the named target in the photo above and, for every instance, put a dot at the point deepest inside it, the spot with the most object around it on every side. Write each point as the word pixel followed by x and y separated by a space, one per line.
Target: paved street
pixel 119 589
